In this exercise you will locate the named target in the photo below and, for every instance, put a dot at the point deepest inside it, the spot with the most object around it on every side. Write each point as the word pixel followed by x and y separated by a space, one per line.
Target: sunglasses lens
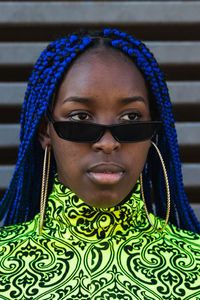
pixel 136 132
pixel 78 132
pixel 91 133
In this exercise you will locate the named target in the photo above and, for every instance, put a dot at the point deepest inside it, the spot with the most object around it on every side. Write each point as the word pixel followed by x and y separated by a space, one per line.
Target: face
pixel 105 87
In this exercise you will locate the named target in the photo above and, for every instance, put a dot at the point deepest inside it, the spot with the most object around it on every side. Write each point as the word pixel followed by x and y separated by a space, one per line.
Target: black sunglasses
pixel 86 132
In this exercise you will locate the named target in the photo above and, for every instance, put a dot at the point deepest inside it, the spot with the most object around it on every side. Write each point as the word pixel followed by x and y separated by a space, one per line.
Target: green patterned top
pixel 97 253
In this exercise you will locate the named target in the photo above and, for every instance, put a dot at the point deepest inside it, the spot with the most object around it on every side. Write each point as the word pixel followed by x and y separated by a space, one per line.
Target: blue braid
pixel 42 84
pixel 149 67
pixel 24 190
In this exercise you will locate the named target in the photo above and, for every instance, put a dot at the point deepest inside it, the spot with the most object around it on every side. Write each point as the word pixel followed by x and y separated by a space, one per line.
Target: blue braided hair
pixel 21 200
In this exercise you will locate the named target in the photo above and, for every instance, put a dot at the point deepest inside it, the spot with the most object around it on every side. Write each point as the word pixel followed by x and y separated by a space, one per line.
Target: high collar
pixel 68 214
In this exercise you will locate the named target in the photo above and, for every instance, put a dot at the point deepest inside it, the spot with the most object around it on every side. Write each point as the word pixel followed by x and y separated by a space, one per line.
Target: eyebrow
pixel 77 99
pixel 132 99
pixel 89 100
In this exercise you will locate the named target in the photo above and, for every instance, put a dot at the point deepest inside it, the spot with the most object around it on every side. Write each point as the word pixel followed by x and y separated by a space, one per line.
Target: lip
pixel 106 173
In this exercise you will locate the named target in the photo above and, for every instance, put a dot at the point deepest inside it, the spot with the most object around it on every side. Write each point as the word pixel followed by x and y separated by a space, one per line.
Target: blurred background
pixel 171 29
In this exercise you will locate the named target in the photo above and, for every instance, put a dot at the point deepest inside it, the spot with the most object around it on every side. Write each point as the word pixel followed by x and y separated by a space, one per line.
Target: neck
pixel 68 213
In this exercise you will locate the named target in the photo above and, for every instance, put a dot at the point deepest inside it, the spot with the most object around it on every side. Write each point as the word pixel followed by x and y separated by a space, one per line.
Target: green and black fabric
pixel 91 253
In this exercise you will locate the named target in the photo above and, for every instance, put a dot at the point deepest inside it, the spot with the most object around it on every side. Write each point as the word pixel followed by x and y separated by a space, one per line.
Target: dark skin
pixel 107 88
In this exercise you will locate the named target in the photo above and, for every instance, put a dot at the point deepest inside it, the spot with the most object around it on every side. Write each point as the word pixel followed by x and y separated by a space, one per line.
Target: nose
pixel 107 143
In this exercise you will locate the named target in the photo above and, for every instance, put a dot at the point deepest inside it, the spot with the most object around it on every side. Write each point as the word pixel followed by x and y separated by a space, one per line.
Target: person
pixel 99 156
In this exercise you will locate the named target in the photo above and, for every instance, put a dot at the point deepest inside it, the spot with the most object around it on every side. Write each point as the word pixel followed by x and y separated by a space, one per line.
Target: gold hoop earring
pixel 167 189
pixel 44 187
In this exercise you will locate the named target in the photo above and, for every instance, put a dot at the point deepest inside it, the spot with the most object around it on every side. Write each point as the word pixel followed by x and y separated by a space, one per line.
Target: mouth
pixel 106 173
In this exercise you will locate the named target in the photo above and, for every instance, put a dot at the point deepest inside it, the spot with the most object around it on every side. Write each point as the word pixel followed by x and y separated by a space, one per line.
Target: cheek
pixel 68 158
pixel 66 154
pixel 136 156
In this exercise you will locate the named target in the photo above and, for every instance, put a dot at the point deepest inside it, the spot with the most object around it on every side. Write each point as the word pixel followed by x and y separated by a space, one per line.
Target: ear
pixel 43 133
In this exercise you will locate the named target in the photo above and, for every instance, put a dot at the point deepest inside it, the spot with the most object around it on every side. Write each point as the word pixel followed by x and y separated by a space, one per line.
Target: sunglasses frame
pixel 103 128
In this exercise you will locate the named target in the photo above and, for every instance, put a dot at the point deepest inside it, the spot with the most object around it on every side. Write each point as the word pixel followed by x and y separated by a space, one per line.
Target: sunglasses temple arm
pixel 48 114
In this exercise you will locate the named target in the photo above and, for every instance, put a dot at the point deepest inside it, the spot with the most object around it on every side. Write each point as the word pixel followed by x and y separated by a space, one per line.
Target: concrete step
pixel 191 175
pixel 188 134
pixel 99 13
pixel 186 92
pixel 24 54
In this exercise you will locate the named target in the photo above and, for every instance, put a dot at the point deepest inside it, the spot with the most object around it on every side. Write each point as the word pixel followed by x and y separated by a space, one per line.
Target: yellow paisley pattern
pixel 100 254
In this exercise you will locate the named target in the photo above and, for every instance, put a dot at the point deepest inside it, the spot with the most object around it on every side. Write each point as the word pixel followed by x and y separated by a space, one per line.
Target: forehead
pixel 103 71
